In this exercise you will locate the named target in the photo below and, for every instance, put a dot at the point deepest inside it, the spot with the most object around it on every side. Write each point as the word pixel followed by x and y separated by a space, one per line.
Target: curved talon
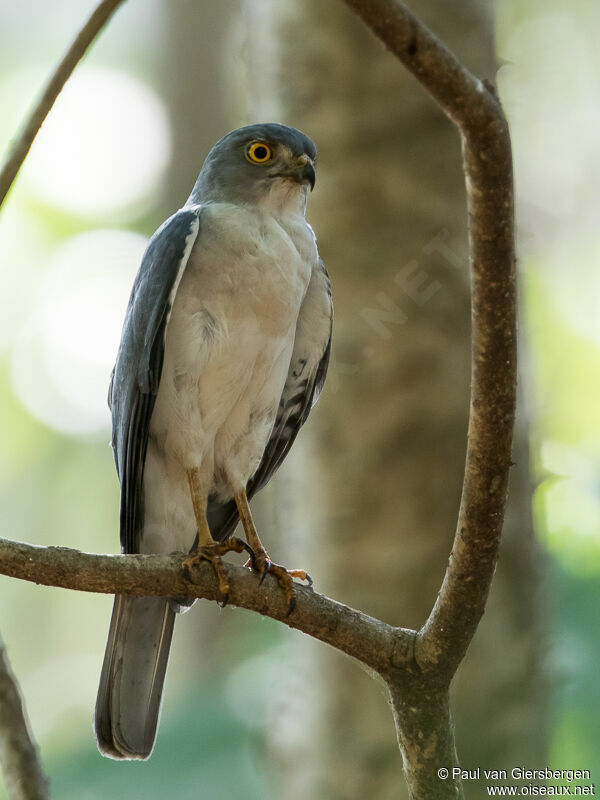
pixel 212 553
pixel 301 575
pixel 291 605
pixel 263 565
pixel 284 579
pixel 251 562
pixel 266 568
pixel 232 544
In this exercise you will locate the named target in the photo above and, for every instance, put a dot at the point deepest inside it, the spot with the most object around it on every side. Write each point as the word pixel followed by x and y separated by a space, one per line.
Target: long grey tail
pixel 133 674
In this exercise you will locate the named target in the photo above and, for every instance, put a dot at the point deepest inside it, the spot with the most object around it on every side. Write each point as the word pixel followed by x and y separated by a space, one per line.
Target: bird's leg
pixel 262 562
pixel 208 549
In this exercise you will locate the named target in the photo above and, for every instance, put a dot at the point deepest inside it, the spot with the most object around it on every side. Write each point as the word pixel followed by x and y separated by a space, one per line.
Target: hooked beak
pixel 304 172
pixel 308 174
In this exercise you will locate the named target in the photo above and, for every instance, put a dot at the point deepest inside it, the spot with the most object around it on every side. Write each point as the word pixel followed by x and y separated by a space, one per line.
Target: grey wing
pixel 136 376
pixel 306 376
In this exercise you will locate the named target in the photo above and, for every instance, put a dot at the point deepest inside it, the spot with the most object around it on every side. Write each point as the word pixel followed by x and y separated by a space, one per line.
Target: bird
pixel 224 351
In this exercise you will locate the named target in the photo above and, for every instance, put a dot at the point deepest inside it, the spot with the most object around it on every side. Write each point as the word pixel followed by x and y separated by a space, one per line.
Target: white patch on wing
pixel 190 240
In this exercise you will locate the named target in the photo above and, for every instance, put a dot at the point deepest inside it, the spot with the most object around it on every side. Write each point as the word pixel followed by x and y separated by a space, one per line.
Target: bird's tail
pixel 133 674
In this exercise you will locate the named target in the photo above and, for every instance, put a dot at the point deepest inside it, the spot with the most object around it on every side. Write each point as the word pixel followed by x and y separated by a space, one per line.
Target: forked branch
pixel 474 108
pixel 418 667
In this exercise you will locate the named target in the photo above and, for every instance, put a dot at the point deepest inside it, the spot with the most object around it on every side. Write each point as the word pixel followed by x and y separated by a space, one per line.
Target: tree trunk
pixel 388 440
pixel 197 79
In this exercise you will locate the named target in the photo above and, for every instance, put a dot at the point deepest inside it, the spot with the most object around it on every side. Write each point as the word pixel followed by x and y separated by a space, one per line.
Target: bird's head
pixel 268 164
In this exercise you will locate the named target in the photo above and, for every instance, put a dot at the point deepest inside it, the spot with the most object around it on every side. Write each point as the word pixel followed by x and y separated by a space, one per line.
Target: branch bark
pixel 32 123
pixel 19 755
pixel 378 645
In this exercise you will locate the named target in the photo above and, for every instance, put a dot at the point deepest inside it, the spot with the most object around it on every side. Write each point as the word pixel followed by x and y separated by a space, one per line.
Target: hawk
pixel 224 351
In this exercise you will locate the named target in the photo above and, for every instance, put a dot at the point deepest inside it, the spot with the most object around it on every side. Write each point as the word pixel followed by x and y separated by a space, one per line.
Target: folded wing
pixel 136 376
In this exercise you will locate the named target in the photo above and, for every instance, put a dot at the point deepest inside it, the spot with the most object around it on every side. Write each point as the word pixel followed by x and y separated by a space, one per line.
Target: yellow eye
pixel 258 152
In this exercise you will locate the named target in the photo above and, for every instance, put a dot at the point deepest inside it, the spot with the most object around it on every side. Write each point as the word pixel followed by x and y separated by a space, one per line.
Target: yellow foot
pixel 263 565
pixel 212 553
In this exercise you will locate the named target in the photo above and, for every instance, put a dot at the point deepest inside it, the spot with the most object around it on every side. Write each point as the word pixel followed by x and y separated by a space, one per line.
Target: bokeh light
pixel 551 172
pixel 104 146
pixel 66 347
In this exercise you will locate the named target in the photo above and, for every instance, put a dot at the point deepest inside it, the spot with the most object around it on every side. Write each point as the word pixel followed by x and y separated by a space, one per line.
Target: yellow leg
pixel 262 562
pixel 208 549
pixel 243 507
pixel 199 504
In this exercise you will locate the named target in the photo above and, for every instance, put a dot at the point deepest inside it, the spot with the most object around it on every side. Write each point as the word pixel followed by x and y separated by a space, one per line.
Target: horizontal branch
pixel 380 646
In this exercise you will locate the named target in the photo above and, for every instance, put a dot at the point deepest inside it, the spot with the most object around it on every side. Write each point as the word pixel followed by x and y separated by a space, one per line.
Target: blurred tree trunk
pixel 388 440
pixel 198 85
pixel 197 80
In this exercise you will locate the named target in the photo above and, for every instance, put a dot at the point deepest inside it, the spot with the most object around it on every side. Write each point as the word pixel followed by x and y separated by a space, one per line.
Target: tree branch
pixel 475 110
pixel 377 644
pixel 32 123
pixel 19 755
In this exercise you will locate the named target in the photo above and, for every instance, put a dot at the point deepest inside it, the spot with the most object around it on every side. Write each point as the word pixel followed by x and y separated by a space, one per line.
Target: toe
pixel 264 568
pixel 211 554
pixel 301 575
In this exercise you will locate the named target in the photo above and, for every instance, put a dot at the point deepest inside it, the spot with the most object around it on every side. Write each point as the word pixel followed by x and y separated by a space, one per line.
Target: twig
pixel 380 646
pixel 19 756
pixel 32 123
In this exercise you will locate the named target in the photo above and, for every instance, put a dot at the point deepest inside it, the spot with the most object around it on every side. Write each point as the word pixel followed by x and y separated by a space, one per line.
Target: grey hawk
pixel 224 350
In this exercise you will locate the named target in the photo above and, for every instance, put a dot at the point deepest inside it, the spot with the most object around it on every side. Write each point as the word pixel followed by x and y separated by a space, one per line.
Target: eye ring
pixel 258 152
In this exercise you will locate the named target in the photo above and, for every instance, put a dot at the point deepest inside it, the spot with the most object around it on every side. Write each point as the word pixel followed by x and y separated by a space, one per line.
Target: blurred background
pixel 367 500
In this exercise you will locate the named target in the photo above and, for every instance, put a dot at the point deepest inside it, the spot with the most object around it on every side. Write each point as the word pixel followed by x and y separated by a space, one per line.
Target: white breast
pixel 229 341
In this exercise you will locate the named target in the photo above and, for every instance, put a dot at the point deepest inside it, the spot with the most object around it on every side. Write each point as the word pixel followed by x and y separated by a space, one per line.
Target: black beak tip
pixel 308 175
